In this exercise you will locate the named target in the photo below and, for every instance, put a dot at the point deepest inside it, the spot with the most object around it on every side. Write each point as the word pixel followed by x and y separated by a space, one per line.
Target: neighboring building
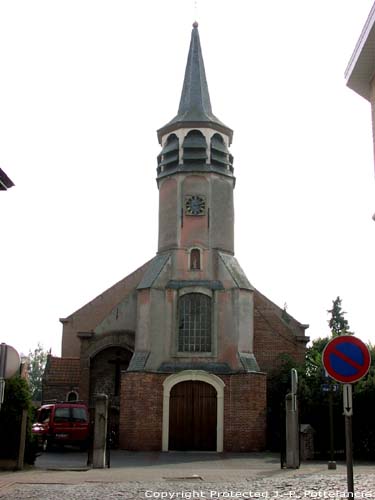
pixel 5 182
pixel 360 72
pixel 182 346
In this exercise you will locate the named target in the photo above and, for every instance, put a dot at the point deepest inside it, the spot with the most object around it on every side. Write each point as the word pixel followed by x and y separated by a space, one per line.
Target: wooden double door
pixel 193 416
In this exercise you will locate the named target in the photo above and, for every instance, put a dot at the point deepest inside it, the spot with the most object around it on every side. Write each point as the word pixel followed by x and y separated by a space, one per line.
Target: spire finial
pixel 195 24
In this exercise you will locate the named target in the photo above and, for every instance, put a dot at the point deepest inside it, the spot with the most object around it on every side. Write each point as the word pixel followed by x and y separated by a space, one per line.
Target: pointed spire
pixel 195 101
pixel 195 104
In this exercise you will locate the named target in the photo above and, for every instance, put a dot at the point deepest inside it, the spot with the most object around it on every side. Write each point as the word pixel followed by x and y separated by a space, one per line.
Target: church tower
pixel 195 304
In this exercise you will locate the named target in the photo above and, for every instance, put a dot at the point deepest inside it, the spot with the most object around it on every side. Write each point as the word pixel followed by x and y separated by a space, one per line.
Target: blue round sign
pixel 346 359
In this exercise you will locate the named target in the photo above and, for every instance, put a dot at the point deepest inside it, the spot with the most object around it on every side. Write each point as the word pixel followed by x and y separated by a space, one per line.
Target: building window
pixel 72 396
pixel 194 314
pixel 195 259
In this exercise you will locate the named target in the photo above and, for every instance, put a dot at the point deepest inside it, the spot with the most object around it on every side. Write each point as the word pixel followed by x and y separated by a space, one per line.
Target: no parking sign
pixel 346 359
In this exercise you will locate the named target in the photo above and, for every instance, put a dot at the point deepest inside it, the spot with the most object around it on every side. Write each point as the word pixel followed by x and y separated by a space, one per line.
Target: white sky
pixel 85 84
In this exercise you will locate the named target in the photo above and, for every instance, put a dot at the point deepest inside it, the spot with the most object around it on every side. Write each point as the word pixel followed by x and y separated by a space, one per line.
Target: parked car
pixel 61 424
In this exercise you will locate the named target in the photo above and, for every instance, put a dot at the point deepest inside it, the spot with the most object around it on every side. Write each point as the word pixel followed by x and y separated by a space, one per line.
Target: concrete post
pixel 100 431
pixel 21 450
pixel 3 360
pixel 292 432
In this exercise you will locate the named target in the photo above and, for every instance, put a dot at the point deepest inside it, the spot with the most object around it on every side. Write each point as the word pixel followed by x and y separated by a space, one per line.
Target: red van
pixel 62 423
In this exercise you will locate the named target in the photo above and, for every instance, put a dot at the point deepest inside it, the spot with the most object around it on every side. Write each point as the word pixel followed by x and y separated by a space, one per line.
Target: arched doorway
pixel 105 371
pixel 193 416
pixel 105 378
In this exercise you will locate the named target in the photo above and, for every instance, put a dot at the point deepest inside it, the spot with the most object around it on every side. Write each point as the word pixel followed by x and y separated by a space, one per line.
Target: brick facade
pixel 141 414
pixel 245 412
pixel 276 333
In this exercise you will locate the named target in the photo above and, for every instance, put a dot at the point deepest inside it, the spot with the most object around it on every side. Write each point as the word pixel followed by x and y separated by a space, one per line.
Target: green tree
pixel 37 364
pixel 338 323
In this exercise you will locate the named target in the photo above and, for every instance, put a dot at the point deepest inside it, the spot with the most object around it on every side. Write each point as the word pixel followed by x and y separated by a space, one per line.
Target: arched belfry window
pixel 194 148
pixel 168 157
pixel 220 156
pixel 195 259
pixel 194 323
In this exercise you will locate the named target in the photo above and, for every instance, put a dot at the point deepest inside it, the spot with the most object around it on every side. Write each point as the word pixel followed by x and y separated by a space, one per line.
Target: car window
pixel 62 415
pixel 44 415
pixel 79 415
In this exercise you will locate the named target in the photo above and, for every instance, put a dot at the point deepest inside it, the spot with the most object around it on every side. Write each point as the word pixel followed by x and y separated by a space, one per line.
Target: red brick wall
pixel 245 412
pixel 141 414
pixel 272 338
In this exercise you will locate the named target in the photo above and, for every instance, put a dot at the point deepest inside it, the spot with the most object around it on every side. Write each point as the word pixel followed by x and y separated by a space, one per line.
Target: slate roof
pixel 195 104
pixel 153 270
pixel 236 271
pixel 62 371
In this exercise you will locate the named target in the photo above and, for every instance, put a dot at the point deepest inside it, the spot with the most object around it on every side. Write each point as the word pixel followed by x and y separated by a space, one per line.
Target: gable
pixel 88 317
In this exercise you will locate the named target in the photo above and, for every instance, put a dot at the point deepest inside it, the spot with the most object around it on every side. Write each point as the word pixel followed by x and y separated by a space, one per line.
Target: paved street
pixel 173 476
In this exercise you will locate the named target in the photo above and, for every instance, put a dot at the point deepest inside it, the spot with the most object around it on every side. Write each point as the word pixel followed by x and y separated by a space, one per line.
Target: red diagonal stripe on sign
pixel 346 358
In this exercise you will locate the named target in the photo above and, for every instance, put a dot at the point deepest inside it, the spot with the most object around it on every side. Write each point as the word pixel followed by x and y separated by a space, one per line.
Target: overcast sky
pixel 85 84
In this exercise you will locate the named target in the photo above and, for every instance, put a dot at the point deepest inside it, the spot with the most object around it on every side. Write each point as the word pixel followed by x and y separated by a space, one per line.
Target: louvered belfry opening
pixel 194 148
pixel 220 156
pixel 168 157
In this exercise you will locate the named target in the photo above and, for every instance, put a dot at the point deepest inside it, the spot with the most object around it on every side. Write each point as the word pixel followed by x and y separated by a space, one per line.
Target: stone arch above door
pixel 194 375
pixel 93 343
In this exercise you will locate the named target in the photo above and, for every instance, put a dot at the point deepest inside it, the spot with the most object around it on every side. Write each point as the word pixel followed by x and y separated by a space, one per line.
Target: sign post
pixel 347 359
pixel 9 364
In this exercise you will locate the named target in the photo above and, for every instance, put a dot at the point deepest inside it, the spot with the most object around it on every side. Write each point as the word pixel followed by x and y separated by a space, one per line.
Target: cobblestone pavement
pixel 182 476
pixel 281 486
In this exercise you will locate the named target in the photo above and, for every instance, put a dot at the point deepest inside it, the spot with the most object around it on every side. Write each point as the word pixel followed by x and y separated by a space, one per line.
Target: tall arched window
pixel 194 316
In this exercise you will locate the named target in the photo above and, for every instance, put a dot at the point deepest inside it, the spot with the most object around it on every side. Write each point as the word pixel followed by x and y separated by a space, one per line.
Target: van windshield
pixel 44 415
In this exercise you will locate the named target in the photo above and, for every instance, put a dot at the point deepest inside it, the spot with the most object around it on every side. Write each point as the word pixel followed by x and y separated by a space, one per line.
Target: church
pixel 182 346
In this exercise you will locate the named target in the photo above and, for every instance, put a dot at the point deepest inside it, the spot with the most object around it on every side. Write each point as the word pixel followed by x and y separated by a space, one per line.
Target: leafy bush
pixel 16 399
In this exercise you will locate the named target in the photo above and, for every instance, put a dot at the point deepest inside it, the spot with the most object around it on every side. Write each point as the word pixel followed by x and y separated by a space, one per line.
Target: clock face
pixel 195 205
